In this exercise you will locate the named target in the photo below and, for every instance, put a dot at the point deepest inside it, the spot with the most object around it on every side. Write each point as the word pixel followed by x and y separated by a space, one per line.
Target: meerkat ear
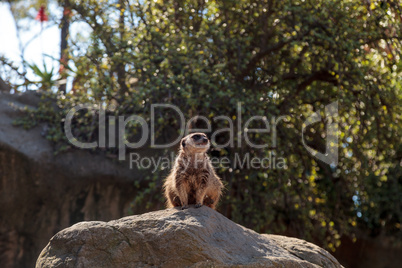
pixel 183 143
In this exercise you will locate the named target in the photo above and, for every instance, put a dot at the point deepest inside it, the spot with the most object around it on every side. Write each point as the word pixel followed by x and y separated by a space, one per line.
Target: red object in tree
pixel 63 64
pixel 67 12
pixel 41 15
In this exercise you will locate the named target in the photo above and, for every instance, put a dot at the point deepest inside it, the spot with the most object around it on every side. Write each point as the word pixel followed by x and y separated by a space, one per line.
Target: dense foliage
pixel 277 58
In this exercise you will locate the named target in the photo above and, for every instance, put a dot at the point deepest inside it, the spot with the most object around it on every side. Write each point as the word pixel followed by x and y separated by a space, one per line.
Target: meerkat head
pixel 195 143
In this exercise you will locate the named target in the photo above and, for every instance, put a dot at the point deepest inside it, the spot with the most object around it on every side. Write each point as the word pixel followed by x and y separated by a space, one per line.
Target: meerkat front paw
pixel 198 205
pixel 184 207
pixel 208 201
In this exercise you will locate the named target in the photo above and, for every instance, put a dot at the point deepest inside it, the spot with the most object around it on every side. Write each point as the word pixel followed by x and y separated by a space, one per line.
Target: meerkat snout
pixel 199 138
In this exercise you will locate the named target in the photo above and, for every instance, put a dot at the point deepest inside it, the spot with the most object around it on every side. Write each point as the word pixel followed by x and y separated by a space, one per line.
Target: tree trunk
pixel 65 26
pixel 121 72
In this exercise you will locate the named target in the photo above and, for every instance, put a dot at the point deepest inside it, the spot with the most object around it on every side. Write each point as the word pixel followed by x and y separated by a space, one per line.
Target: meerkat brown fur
pixel 193 179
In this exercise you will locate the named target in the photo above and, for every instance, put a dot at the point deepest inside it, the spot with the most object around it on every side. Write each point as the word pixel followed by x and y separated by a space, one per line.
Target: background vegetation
pixel 276 58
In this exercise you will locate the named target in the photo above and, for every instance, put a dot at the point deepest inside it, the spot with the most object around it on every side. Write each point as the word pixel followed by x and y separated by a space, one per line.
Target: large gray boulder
pixel 177 238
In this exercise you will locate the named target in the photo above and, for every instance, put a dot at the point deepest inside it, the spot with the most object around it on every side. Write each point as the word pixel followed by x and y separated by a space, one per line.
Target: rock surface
pixel 177 238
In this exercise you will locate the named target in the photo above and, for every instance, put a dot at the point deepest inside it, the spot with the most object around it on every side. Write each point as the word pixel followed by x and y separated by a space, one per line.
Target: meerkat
pixel 192 179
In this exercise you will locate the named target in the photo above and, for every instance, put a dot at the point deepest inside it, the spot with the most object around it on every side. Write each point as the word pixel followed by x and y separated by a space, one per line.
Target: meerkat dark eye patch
pixel 183 143
pixel 196 137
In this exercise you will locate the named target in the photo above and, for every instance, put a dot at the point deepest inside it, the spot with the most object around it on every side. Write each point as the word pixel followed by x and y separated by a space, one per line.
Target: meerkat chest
pixel 192 179
pixel 195 176
pixel 194 172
